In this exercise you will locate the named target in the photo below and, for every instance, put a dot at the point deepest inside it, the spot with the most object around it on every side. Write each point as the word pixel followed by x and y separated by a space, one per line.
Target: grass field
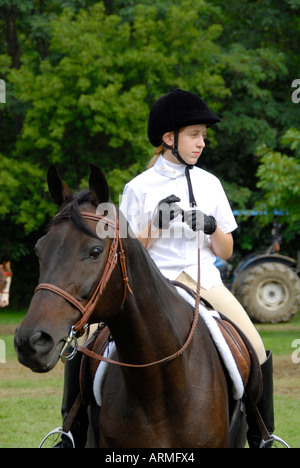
pixel 30 403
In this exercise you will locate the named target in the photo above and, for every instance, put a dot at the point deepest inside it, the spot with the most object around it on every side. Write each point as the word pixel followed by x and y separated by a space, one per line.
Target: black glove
pixel 199 221
pixel 166 211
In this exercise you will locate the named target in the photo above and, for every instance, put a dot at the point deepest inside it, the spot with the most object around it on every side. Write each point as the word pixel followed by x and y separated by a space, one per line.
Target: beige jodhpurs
pixel 224 302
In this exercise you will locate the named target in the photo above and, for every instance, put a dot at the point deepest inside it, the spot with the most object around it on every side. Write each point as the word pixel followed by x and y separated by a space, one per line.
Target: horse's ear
pixel 58 189
pixel 98 185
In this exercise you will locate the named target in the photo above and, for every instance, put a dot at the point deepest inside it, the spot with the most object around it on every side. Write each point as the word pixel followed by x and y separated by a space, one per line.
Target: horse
pixel 157 397
pixel 5 283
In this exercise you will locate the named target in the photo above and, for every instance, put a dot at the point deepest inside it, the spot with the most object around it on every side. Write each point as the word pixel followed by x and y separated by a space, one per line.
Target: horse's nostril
pixel 41 342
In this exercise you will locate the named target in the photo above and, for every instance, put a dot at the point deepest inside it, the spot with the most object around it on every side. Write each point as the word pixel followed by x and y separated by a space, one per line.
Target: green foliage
pixel 21 193
pixel 260 39
pixel 279 177
pixel 89 99
pixel 292 140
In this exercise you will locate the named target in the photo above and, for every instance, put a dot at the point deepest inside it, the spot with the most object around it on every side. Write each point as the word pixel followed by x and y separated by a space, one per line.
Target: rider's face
pixel 190 143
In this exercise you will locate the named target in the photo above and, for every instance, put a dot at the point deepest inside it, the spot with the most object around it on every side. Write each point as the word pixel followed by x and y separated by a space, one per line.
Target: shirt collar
pixel 169 169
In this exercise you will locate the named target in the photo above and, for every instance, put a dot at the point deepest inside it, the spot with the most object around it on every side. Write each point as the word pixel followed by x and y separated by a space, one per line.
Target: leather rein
pixel 87 310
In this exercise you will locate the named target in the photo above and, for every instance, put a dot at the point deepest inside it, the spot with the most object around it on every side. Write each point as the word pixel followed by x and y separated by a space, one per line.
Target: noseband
pixel 112 259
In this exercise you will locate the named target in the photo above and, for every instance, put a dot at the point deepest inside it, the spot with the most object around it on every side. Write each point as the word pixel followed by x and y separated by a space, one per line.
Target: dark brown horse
pixel 180 403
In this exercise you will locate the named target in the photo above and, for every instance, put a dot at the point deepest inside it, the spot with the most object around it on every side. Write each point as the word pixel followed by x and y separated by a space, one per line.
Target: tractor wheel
pixel 269 292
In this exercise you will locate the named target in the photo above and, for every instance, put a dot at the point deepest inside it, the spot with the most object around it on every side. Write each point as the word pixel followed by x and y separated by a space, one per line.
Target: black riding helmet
pixel 175 110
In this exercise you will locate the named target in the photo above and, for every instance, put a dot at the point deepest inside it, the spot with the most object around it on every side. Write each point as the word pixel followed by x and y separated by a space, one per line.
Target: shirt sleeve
pixel 132 208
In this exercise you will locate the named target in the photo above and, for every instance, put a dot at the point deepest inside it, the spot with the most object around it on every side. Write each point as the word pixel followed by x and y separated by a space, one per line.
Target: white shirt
pixel 176 249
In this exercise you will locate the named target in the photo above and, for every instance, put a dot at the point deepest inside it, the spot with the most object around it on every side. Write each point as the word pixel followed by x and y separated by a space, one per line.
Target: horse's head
pixel 72 259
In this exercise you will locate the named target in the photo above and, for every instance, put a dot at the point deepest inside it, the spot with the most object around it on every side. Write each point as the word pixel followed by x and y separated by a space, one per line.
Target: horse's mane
pixel 70 210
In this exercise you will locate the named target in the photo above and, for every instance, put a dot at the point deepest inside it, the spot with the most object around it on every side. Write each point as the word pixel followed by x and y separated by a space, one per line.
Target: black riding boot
pixel 265 406
pixel 79 426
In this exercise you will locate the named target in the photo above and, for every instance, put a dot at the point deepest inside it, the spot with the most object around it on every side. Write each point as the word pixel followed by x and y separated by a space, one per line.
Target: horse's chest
pixel 186 415
pixel 124 422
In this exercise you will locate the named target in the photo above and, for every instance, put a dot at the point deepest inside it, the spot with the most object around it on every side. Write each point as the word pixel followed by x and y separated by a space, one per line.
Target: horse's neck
pixel 153 322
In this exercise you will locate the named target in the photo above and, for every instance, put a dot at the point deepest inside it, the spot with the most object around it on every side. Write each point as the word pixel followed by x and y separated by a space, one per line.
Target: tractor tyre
pixel 269 292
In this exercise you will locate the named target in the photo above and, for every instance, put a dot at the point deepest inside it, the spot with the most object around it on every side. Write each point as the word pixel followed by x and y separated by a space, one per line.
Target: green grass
pixel 8 317
pixel 282 345
pixel 287 411
pixel 30 403
pixel 279 337
pixel 25 420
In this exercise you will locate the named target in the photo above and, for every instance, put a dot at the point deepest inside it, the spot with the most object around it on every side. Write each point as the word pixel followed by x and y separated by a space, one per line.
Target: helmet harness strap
pixel 187 169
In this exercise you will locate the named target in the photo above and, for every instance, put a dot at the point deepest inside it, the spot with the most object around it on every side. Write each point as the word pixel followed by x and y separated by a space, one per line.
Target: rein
pixel 87 310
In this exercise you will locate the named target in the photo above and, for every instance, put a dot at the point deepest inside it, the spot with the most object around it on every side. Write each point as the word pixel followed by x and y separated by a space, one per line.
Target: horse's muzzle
pixel 34 349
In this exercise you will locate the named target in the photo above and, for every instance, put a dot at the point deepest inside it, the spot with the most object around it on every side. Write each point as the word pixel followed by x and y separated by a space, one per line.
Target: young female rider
pixel 173 199
pixel 165 207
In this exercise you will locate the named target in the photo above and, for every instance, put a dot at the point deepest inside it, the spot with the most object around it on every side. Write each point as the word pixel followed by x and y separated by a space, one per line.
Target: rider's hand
pixel 199 221
pixel 166 211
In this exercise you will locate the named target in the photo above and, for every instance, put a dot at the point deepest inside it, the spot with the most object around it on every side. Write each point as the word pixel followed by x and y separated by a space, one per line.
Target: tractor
pixel 265 283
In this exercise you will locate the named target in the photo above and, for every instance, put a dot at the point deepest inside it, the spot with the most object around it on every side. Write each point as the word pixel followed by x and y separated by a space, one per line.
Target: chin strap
pixel 190 187
pixel 188 168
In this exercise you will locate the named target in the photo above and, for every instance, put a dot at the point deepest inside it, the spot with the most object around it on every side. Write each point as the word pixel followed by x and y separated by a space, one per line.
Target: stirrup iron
pixel 274 442
pixel 56 434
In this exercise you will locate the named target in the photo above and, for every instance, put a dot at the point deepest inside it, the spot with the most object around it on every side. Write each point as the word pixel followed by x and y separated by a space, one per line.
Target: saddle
pixel 242 351
pixel 245 358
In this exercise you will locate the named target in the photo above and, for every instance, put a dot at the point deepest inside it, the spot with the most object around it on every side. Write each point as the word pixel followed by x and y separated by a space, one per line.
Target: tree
pixel 279 179
pixel 89 99
pixel 261 38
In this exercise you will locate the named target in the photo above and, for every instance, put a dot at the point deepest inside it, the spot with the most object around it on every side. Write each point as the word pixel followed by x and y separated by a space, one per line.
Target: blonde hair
pixel 161 149
pixel 157 151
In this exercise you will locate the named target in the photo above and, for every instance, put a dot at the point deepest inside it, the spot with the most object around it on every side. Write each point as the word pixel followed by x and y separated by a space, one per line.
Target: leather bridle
pixel 112 259
pixel 87 310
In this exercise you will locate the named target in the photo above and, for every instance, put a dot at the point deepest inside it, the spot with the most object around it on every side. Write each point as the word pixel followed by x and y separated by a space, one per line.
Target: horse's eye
pixel 95 252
